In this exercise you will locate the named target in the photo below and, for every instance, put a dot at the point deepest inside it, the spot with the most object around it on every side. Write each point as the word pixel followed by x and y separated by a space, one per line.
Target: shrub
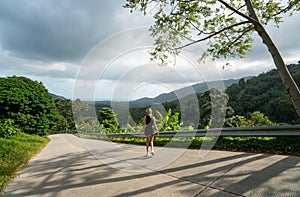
pixel 108 119
pixel 169 122
pixel 7 128
pixel 29 104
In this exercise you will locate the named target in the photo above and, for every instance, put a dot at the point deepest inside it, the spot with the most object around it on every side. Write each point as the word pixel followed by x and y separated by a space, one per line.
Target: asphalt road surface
pixel 72 166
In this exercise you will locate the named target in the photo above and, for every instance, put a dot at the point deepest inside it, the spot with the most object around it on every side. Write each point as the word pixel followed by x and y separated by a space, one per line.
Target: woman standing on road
pixel 149 129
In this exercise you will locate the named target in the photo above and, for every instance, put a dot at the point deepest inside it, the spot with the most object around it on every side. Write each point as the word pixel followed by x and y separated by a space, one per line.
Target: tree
pixel 260 119
pixel 226 25
pixel 28 104
pixel 280 109
pixel 257 119
pixel 213 109
pixel 236 121
pixel 265 93
pixel 80 111
pixel 169 122
pixel 108 119
pixel 64 108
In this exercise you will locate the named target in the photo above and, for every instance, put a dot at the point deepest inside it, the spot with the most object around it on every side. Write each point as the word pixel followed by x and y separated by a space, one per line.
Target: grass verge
pixel 15 152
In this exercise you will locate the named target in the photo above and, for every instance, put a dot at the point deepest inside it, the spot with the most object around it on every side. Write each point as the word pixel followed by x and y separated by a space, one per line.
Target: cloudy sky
pixel 97 50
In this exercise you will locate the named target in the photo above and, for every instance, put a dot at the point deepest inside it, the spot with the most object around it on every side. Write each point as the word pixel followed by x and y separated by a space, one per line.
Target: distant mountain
pixel 183 92
pixel 56 96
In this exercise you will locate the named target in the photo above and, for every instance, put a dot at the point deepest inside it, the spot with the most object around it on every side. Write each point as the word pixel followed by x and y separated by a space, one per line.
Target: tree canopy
pixel 28 104
pixel 227 26
pixel 213 109
pixel 64 108
pixel 108 119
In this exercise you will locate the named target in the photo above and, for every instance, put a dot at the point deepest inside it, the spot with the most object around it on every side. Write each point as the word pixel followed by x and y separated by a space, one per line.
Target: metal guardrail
pixel 65 131
pixel 263 131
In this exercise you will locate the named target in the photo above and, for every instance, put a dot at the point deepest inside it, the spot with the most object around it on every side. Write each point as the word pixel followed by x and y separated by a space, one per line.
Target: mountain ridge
pixel 185 91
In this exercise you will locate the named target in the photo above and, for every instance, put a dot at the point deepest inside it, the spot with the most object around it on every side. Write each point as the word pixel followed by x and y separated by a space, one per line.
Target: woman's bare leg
pixel 151 143
pixel 147 144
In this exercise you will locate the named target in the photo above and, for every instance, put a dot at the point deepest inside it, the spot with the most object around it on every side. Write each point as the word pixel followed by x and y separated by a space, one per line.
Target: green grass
pixel 271 145
pixel 15 152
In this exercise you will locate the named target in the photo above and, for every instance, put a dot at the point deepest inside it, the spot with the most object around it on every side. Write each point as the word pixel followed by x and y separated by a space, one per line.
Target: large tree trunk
pixel 283 71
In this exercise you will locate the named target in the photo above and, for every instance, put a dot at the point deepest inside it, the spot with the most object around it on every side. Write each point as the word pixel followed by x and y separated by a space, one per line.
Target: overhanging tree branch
pixel 238 12
pixel 199 30
pixel 286 9
pixel 213 34
pixel 234 41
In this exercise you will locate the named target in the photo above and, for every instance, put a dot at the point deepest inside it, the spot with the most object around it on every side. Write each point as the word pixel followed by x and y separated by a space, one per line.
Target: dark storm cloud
pixel 48 41
pixel 54 30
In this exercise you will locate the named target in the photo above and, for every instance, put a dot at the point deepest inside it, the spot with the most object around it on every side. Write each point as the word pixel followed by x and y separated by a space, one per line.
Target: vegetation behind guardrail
pixel 283 140
pixel 263 131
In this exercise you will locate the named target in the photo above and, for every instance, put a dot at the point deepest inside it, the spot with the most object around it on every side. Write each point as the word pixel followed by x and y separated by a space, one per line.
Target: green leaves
pixel 170 122
pixel 7 128
pixel 213 108
pixel 64 108
pixel 108 119
pixel 265 93
pixel 29 104
pixel 260 119
pixel 226 28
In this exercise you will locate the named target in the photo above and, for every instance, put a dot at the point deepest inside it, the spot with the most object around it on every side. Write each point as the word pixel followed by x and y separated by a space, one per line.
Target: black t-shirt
pixel 148 120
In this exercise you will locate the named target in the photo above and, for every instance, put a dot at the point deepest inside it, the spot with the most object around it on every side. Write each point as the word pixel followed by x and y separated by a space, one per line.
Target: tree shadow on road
pixel 233 175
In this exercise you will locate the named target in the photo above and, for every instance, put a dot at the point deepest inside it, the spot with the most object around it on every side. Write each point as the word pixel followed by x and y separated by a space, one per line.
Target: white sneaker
pixel 152 153
pixel 148 155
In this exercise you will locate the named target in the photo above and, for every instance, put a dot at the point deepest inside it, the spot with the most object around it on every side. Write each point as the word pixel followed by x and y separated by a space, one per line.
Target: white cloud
pixel 96 49
pixel 11 65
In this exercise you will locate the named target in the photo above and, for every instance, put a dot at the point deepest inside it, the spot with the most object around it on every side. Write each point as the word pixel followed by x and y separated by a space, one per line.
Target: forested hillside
pixel 199 88
pixel 265 93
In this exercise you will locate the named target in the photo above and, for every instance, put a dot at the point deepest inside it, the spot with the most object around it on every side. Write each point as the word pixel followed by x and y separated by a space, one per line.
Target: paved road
pixel 71 166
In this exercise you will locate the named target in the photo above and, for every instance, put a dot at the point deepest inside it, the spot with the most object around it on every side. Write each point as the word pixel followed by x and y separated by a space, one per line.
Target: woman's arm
pixel 144 123
pixel 155 126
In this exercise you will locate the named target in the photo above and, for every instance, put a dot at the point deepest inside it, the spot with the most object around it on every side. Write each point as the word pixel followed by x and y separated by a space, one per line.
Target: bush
pixel 29 104
pixel 170 122
pixel 7 129
pixel 108 119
